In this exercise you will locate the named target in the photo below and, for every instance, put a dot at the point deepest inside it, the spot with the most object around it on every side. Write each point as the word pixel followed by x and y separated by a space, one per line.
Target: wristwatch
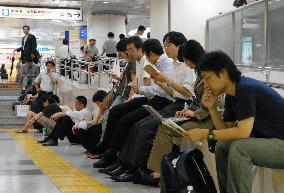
pixel 210 136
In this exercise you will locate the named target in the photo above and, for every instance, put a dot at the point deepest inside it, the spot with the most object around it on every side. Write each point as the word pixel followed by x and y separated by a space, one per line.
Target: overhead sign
pixel 41 13
pixel 83 32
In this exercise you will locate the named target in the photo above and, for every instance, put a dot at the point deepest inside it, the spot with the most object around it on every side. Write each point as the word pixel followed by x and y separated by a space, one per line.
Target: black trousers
pixel 111 55
pixel 125 124
pixel 63 128
pixel 89 138
pixel 115 114
pixel 136 149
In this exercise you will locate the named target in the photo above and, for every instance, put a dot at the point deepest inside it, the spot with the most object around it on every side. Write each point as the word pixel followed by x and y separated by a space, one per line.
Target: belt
pixel 44 92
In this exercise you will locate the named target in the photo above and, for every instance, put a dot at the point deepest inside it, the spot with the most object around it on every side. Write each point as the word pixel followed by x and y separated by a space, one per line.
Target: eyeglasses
pixel 131 50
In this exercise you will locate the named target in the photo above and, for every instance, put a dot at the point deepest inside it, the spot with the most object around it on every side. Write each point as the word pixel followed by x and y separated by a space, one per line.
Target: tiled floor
pixel 19 174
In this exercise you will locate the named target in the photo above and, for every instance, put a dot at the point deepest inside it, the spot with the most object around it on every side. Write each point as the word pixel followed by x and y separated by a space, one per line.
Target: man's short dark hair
pixel 50 62
pixel 153 45
pixel 193 51
pixel 26 27
pixel 110 34
pixel 175 38
pixel 53 99
pixel 30 59
pixel 65 42
pixel 99 96
pixel 136 41
pixel 218 60
pixel 121 36
pixel 94 40
pixel 43 99
pixel 121 46
pixel 82 99
pixel 141 28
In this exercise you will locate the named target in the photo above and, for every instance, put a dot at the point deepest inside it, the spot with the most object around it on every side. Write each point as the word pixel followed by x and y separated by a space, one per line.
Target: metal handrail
pixel 79 66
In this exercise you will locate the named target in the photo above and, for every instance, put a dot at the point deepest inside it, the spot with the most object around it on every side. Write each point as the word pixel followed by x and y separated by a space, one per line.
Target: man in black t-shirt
pixel 43 118
pixel 251 132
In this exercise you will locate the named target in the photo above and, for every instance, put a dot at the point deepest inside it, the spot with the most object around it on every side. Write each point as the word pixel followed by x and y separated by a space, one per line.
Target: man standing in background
pixel 109 46
pixel 29 45
pixel 91 50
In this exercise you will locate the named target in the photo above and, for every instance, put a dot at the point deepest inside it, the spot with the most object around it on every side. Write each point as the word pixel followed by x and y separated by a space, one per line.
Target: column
pixel 99 25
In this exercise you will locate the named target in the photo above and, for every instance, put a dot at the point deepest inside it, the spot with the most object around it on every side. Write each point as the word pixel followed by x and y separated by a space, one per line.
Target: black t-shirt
pixel 51 109
pixel 255 99
pixel 124 87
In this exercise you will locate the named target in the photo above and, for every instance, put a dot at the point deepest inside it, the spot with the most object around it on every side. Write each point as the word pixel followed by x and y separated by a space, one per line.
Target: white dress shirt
pixel 184 76
pixel 44 79
pixel 78 116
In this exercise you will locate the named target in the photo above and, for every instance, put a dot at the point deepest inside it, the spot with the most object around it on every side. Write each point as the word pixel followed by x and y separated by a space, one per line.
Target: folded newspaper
pixel 175 129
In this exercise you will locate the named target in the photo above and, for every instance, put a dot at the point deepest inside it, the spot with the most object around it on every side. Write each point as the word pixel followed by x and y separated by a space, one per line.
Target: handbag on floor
pixel 186 174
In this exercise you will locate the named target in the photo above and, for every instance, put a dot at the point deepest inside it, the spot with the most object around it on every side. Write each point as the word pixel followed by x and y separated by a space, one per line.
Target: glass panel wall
pixel 275 36
pixel 249 35
pixel 221 34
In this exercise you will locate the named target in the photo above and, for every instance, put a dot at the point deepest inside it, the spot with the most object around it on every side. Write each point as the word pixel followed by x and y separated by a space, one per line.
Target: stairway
pixel 8 94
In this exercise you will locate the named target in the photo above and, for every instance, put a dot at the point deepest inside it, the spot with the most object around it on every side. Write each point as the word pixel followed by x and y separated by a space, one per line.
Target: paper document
pixel 175 129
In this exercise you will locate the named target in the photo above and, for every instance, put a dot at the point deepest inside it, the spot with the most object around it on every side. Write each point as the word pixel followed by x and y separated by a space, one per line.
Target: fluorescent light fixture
pixel 258 45
pixel 106 2
pixel 62 5
pixel 56 20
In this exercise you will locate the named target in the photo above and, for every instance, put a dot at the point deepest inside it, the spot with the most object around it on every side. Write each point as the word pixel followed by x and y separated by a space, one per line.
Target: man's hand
pixel 135 88
pixel 36 117
pixel 161 77
pixel 114 76
pixel 55 116
pixel 74 128
pixel 208 99
pixel 196 135
pixel 185 113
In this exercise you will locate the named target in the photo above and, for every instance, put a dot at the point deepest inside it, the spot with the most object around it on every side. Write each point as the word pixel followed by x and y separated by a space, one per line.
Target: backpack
pixel 188 174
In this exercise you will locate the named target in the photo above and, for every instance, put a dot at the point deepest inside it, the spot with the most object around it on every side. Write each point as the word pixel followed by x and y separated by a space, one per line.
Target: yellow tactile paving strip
pixel 63 174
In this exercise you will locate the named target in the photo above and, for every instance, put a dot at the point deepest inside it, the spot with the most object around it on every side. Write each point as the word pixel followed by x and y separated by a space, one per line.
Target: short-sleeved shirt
pixel 51 109
pixel 45 81
pixel 124 86
pixel 255 99
pixel 91 50
pixel 110 46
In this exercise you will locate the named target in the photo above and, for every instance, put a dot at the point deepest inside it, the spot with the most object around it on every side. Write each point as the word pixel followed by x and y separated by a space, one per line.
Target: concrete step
pixel 11 120
pixel 7 112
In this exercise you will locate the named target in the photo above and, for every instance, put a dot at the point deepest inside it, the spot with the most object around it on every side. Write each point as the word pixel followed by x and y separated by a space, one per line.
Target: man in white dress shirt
pixel 44 84
pixel 65 122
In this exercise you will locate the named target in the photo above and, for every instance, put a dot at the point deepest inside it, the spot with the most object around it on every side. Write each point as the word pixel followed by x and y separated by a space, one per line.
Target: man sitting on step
pixel 65 122
pixel 50 105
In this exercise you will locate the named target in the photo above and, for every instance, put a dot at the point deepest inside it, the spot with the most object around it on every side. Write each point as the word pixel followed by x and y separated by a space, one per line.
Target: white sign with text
pixel 41 13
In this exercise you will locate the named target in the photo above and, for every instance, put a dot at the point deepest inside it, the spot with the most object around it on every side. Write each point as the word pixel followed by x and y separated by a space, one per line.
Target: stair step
pixel 13 120
pixel 7 113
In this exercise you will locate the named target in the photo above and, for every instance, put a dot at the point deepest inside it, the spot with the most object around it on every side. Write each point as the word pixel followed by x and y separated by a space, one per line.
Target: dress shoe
pixel 51 142
pixel 44 140
pixel 111 167
pixel 117 172
pixel 125 177
pixel 149 178
pixel 103 163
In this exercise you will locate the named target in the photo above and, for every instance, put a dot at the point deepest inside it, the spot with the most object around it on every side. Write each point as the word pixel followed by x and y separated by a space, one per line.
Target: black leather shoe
pixel 110 168
pixel 117 172
pixel 44 140
pixel 102 163
pixel 149 178
pixel 51 142
pixel 125 177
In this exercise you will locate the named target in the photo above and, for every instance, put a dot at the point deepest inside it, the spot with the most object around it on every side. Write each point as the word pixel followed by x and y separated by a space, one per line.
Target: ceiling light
pixel 106 2
pixel 56 20
pixel 62 5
